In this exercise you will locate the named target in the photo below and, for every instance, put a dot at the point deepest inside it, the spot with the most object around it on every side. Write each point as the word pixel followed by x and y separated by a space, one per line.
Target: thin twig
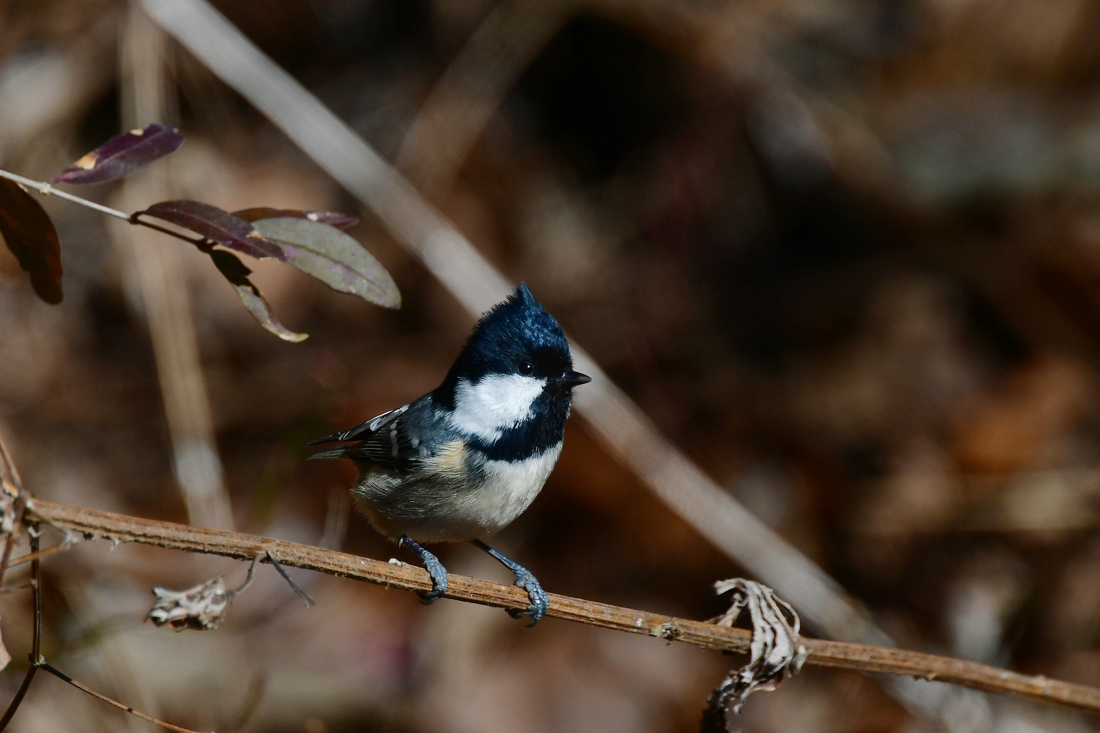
pixel 10 538
pixel 36 642
pixel 841 655
pixel 9 589
pixel 46 189
pixel 11 486
pixel 247 580
pixel 32 556
pixel 100 696
pixel 10 482
pixel 294 586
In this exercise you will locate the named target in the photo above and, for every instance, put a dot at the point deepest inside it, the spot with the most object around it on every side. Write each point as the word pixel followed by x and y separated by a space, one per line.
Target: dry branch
pixel 97 524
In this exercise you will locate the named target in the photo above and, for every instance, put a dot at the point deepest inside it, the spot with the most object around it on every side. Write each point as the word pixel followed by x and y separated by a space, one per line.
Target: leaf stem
pixel 45 189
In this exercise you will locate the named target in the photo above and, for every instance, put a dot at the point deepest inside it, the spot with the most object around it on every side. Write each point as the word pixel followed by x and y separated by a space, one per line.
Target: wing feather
pixel 391 439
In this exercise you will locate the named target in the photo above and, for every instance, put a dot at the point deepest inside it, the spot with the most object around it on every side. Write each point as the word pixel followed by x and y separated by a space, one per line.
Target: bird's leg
pixel 432 565
pixel 524 579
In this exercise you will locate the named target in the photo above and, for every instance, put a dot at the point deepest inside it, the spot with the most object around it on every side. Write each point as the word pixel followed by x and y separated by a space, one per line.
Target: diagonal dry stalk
pixel 94 524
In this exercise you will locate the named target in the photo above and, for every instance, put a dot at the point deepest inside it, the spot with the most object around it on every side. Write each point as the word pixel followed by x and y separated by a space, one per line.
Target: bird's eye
pixel 526 367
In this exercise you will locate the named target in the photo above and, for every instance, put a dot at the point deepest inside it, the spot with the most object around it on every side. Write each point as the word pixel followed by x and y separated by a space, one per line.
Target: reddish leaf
pixel 122 154
pixel 332 257
pixel 216 225
pixel 332 218
pixel 32 239
pixel 237 274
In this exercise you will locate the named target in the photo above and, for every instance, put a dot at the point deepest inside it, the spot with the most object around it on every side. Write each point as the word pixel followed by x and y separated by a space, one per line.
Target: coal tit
pixel 463 461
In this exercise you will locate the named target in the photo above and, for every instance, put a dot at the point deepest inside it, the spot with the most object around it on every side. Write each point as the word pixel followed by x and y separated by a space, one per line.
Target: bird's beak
pixel 573 378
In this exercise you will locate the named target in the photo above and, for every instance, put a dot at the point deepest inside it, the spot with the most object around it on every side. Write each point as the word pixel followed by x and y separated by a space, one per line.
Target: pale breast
pixel 508 491
pixel 442 505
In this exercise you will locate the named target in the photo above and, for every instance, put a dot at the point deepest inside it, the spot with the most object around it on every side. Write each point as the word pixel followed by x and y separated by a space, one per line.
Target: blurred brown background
pixel 844 254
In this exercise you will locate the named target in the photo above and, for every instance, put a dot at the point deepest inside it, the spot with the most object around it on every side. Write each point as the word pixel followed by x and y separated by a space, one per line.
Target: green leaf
pixel 333 257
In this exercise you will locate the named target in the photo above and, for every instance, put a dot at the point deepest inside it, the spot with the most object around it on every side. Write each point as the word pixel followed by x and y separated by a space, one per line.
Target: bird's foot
pixel 540 602
pixel 435 569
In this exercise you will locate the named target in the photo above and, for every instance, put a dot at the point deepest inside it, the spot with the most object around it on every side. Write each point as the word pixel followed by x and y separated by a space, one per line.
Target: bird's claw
pixel 439 579
pixel 435 569
pixel 430 596
pixel 540 602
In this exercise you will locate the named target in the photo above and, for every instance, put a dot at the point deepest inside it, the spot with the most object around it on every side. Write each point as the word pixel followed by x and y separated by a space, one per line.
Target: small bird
pixel 463 461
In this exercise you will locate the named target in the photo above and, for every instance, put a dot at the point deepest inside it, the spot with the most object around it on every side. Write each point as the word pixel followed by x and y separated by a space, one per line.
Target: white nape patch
pixel 487 408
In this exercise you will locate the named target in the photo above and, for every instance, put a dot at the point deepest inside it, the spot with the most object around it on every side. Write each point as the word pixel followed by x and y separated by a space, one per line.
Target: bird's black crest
pixel 520 316
pixel 516 329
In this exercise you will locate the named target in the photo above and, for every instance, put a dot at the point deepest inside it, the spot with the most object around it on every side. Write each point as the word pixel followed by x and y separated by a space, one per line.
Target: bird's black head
pixel 516 338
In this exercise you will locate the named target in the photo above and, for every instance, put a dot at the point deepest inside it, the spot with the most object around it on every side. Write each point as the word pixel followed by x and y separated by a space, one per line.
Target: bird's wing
pixel 364 428
pixel 390 439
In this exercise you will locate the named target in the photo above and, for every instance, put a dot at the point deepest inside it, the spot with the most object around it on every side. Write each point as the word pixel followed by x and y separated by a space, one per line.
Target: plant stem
pixel 45 189
pixel 105 525
pixel 36 642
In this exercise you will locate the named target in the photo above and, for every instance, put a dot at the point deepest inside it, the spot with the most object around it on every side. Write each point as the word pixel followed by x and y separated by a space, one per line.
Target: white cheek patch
pixel 487 408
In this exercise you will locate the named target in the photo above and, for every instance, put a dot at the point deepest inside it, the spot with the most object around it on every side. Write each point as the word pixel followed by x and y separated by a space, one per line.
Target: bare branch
pixel 247 580
pixel 12 504
pixel 289 581
pixel 841 655
pixel 10 482
pixel 46 189
pixel 36 643
pixel 14 514
pixel 32 556
pixel 100 696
